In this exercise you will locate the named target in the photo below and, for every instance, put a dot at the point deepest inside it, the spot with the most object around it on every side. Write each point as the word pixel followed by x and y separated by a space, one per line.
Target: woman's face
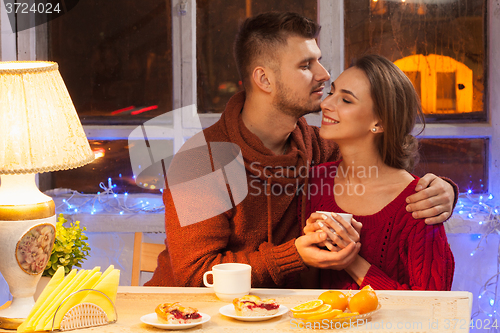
pixel 348 109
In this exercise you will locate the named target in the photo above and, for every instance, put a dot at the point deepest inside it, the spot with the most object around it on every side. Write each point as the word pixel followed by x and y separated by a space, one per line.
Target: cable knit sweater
pixel 259 231
pixel 404 253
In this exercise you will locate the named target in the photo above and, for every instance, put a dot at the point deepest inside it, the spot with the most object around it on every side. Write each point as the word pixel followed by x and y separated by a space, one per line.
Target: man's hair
pixel 397 105
pixel 260 37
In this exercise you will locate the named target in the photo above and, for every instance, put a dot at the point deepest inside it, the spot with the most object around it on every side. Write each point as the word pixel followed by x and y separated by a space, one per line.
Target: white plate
pixel 152 319
pixel 228 310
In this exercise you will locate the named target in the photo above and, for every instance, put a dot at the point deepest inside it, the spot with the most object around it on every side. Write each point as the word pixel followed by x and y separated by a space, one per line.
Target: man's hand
pixel 312 255
pixel 434 200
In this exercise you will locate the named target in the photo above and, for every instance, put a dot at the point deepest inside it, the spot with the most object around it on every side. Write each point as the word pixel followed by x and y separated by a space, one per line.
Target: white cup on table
pixel 230 281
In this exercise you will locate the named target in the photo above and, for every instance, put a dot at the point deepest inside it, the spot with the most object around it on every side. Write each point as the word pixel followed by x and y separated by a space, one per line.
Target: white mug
pixel 232 280
pixel 344 216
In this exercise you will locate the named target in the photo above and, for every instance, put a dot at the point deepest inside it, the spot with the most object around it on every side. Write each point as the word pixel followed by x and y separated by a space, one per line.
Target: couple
pixel 278 60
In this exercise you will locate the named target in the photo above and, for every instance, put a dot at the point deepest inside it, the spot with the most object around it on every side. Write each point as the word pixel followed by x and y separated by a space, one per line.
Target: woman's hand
pixel 312 226
pixel 340 232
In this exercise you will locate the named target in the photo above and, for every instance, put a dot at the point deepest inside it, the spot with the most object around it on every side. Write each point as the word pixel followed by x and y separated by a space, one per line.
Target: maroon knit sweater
pixel 404 253
pixel 259 231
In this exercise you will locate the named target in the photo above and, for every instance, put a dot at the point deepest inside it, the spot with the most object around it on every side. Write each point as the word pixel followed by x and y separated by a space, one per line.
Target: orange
pixel 316 312
pixel 326 315
pixel 307 306
pixel 347 314
pixel 337 299
pixel 364 301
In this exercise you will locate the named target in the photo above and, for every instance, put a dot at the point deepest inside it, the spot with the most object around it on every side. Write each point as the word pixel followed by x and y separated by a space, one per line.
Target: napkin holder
pixel 83 315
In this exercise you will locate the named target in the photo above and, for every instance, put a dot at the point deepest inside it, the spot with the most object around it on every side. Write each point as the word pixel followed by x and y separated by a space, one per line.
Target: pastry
pixel 175 313
pixel 253 306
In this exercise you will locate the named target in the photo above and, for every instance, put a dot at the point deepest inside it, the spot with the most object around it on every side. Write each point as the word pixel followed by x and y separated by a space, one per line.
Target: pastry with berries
pixel 175 313
pixel 253 306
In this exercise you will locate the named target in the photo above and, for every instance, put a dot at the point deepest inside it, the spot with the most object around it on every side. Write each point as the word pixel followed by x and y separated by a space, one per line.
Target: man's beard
pixel 289 104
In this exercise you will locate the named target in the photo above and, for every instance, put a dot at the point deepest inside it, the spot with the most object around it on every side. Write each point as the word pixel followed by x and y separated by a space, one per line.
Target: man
pixel 278 60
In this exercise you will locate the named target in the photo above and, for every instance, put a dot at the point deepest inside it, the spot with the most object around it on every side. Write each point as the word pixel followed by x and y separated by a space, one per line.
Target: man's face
pixel 300 79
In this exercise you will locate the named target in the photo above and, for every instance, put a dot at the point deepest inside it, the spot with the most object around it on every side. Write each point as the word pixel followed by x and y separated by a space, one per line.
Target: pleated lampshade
pixel 39 128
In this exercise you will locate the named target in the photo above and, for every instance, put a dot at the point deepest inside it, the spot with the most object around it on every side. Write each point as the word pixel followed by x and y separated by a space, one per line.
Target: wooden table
pixel 401 311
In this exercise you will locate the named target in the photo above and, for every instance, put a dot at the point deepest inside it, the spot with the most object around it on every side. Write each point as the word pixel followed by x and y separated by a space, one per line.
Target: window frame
pixel 31 44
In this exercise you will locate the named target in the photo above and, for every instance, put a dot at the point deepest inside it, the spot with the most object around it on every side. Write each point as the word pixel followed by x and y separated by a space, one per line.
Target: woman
pixel 370 113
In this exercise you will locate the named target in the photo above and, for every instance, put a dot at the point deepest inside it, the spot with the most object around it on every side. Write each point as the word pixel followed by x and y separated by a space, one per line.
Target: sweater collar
pixel 261 161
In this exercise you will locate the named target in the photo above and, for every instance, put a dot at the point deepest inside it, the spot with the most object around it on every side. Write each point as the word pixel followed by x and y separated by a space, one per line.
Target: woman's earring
pixel 374 129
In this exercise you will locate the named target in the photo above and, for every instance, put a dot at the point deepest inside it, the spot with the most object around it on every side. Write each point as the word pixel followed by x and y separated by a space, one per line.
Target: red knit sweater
pixel 259 231
pixel 404 253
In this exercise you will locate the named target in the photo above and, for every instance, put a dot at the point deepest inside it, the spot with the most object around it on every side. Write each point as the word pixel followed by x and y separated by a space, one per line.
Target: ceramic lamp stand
pixel 27 233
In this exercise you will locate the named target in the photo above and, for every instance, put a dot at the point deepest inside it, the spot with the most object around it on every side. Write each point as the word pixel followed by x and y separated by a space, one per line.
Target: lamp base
pixel 15 314
pixel 19 308
pixel 10 323
pixel 27 232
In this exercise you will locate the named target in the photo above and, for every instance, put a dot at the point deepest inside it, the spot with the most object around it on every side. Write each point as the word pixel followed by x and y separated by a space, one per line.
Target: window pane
pixel 439 44
pixel 112 161
pixel 115 57
pixel 217 23
pixel 461 160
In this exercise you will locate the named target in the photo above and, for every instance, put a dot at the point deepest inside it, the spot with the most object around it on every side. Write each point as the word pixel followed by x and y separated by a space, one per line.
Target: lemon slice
pixel 347 314
pixel 307 314
pixel 307 306
pixel 333 313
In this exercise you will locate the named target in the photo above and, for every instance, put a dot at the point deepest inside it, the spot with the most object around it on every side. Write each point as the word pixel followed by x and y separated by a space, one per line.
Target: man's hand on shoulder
pixel 433 200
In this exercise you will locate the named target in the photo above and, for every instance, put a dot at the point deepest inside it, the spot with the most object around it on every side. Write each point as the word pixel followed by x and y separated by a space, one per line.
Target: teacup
pixel 346 217
pixel 231 280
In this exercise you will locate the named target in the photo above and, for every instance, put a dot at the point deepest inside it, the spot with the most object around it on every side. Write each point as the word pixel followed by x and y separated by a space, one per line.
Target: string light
pixel 467 207
pixel 472 207
pixel 107 201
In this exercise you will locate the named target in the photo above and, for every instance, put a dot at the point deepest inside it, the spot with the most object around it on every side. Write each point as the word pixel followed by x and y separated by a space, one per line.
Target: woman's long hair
pixel 397 105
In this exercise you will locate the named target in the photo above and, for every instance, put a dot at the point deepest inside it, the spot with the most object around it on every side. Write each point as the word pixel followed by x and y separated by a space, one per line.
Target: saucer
pixel 229 311
pixel 152 319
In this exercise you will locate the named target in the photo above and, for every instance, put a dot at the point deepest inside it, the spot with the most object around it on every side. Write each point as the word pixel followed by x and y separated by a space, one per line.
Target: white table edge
pixel 203 290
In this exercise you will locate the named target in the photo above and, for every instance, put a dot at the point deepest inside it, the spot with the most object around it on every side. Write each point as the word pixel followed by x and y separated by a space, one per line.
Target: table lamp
pixel 39 132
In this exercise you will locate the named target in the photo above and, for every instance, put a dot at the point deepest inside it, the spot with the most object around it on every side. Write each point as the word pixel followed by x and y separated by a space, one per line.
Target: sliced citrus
pixel 347 314
pixel 306 314
pixel 337 299
pixel 307 306
pixel 333 313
